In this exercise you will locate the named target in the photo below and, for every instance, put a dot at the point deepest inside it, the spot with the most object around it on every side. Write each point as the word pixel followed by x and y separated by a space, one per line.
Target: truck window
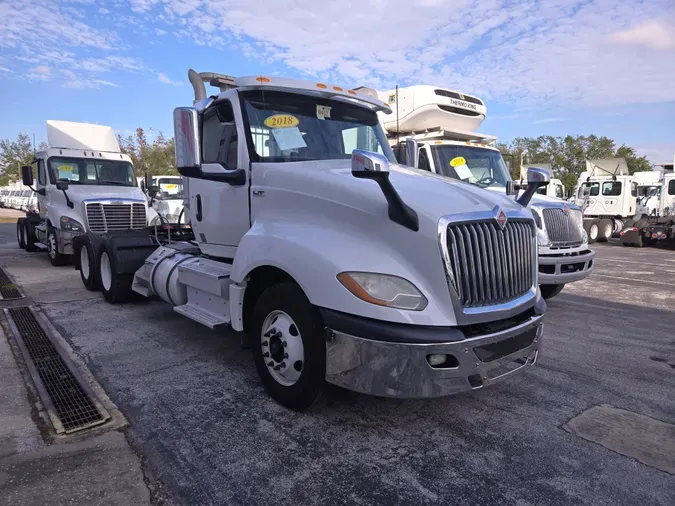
pixel 41 173
pixel 559 191
pixel 479 166
pixel 424 160
pixel 595 189
pixel 92 171
pixel 541 190
pixel 633 189
pixel 219 136
pixel 291 127
pixel 671 187
pixel 611 188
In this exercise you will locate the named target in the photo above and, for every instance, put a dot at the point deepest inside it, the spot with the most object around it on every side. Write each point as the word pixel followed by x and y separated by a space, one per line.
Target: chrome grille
pixel 491 265
pixel 106 217
pixel 563 229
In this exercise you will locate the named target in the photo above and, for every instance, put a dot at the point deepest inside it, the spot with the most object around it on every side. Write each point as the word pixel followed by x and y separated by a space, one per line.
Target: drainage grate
pixel 8 290
pixel 71 403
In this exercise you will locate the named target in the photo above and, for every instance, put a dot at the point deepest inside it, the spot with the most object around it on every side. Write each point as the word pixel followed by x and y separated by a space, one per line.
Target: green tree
pixel 14 154
pixel 157 156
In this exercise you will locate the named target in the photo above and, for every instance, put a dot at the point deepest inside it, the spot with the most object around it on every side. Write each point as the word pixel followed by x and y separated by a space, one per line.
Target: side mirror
pixel 412 153
pixel 153 190
pixel 62 185
pixel 536 178
pixel 187 141
pixel 586 191
pixel 147 181
pixel 369 165
pixel 511 188
pixel 27 175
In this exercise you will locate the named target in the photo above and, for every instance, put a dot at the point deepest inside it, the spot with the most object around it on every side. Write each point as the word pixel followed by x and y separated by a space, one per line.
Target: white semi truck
pixel 339 265
pixel 84 184
pixel 439 125
pixel 660 224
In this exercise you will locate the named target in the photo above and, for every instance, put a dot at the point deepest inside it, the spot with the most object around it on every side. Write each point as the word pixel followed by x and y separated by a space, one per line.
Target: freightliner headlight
pixel 71 224
pixel 383 290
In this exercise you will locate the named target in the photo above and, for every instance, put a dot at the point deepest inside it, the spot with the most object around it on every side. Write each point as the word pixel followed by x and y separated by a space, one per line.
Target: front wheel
pixel 56 258
pixel 88 265
pixel 288 346
pixel 592 231
pixel 550 291
pixel 21 232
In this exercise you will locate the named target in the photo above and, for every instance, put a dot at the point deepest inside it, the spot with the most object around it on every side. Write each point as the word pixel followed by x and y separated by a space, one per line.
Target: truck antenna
pixel 398 134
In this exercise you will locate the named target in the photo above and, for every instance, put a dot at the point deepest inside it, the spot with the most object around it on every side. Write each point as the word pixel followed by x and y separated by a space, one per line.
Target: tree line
pixel 567 155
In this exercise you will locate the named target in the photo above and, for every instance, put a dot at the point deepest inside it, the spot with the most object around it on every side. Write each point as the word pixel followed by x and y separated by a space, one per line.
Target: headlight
pixel 383 290
pixel 537 219
pixel 71 224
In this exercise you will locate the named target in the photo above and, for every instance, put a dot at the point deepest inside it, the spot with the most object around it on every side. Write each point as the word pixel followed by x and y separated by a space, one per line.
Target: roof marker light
pixel 321 85
pixel 262 79
pixel 351 92
pixel 337 88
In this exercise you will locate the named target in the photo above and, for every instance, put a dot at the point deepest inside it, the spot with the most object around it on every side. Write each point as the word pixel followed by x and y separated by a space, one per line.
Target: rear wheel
pixel 605 230
pixel 21 232
pixel 29 236
pixel 641 240
pixel 115 287
pixel 592 230
pixel 88 265
pixel 288 346
pixel 56 258
pixel 618 225
pixel 550 291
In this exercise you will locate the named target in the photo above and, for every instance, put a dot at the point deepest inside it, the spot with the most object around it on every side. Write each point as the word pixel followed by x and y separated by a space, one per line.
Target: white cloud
pixel 4 69
pixel 657 152
pixel 42 69
pixel 162 77
pixel 652 34
pixel 548 120
pixel 72 80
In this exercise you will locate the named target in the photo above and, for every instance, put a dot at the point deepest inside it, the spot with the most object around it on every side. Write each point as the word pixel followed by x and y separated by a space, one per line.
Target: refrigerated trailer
pixel 340 265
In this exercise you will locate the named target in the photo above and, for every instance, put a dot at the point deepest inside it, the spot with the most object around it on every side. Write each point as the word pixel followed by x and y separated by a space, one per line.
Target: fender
pixel 313 254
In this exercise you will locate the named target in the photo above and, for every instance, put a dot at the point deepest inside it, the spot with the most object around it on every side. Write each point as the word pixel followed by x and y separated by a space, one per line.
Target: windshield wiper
pixel 115 183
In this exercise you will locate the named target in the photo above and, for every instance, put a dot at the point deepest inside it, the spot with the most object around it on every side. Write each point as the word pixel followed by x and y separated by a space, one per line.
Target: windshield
pixel 479 166
pixel 92 171
pixel 288 127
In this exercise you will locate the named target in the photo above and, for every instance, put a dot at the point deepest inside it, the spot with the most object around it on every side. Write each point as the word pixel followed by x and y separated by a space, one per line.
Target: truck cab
pixel 441 123
pixel 84 184
pixel 338 264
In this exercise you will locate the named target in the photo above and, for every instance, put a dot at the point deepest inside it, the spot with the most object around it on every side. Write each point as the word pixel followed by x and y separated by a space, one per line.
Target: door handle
pixel 199 208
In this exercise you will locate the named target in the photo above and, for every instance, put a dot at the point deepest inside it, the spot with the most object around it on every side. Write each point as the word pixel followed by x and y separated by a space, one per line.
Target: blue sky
pixel 544 67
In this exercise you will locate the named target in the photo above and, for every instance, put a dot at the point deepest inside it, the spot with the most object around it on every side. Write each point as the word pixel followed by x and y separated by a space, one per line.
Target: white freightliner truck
pixel 439 125
pixel 84 184
pixel 339 265
pixel 660 224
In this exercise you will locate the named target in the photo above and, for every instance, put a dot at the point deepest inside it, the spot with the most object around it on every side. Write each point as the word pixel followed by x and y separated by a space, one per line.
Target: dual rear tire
pixel 98 271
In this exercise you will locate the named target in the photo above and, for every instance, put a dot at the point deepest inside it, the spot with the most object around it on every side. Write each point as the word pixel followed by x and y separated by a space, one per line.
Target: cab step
pixel 201 315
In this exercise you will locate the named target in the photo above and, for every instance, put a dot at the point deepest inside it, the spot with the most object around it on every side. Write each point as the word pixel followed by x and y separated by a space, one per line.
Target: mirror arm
pixel 399 211
pixel 525 198
pixel 69 202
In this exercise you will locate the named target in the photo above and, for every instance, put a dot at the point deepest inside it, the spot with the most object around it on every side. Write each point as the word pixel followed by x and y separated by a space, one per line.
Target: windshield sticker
pixel 457 161
pixel 392 99
pixel 322 111
pixel 288 138
pixel 282 121
pixel 65 171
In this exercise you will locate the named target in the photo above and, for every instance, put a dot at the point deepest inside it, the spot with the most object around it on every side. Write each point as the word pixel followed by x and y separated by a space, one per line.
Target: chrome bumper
pixel 394 369
pixel 561 269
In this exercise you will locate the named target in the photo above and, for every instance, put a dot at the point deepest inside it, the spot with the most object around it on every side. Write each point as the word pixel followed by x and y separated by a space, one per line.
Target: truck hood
pixel 79 193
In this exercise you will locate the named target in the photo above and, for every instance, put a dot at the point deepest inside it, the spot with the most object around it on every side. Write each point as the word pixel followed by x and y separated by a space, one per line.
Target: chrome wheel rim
pixel 593 232
pixel 106 271
pixel 282 348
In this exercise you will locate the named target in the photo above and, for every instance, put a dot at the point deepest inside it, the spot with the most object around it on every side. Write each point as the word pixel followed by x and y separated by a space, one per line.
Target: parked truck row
pixel 301 229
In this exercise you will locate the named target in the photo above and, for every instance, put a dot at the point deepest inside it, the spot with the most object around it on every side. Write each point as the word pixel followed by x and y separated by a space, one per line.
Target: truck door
pixel 219 212
pixel 42 181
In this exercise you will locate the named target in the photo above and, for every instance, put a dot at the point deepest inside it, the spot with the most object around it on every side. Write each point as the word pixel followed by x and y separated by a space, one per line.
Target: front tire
pixel 20 232
pixel 115 287
pixel 57 259
pixel 592 230
pixel 550 291
pixel 289 351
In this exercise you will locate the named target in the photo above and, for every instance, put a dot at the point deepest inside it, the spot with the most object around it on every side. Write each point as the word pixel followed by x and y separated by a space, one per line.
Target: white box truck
pixel 338 264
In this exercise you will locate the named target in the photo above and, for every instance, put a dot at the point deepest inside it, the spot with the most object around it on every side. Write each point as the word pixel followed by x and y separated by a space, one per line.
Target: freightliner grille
pixel 106 217
pixel 490 265
pixel 564 229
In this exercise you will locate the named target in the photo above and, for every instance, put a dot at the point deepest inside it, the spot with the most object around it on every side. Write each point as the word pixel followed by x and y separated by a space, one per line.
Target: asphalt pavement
pixel 210 435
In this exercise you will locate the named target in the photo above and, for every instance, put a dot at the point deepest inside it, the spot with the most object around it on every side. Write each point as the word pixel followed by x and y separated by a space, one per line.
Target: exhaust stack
pixel 221 81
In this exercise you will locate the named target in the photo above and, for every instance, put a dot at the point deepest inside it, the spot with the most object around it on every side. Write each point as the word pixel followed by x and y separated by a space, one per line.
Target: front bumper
pixel 564 268
pixel 401 369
